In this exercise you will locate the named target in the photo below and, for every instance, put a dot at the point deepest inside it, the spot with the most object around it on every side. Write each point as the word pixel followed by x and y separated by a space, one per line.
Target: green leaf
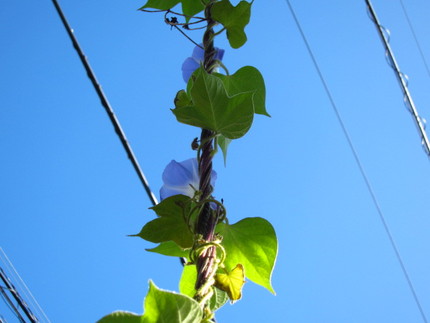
pixel 188 282
pixel 247 79
pixel 251 242
pixel 213 109
pixel 189 7
pixel 161 4
pixel 170 248
pixel 218 299
pixel 171 224
pixel 223 143
pixel 121 317
pixel 231 282
pixel 161 306
pixel 234 19
pixel 165 306
pixel 182 99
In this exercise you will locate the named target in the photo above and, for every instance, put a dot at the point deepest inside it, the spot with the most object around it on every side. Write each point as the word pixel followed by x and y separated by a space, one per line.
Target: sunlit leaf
pixel 188 280
pixel 161 306
pixel 187 287
pixel 166 306
pixel 231 282
pixel 251 242
pixel 121 317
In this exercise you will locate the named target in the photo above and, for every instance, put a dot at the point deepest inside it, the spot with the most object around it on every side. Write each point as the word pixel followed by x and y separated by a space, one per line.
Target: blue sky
pixel 70 197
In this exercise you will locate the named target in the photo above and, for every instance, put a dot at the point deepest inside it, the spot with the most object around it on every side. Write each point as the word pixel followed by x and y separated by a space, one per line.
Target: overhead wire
pixel 358 161
pixel 21 304
pixel 417 42
pixel 21 287
pixel 10 305
pixel 104 101
pixel 401 78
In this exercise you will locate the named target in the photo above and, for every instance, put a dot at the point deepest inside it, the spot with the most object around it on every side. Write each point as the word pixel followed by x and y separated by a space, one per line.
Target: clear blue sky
pixel 69 196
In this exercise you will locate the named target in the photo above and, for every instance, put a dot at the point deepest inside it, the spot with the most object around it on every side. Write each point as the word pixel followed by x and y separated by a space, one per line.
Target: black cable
pixel 106 105
pixel 359 164
pixel 17 297
pixel 11 306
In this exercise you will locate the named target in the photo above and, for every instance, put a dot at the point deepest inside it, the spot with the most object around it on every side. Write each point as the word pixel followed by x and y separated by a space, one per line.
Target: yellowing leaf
pixel 231 282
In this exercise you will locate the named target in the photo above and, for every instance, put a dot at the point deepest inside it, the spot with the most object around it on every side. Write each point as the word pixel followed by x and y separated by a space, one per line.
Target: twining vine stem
pixel 207 220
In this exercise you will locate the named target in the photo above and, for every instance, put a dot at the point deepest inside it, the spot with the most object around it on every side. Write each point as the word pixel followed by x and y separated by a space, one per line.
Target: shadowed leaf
pixel 212 108
pixel 234 19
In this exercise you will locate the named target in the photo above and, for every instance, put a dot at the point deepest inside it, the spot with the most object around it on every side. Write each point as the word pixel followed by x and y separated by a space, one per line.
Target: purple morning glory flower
pixel 192 63
pixel 182 178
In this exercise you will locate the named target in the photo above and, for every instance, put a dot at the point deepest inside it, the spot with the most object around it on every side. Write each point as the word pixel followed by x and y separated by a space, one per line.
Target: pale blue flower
pixel 192 63
pixel 182 178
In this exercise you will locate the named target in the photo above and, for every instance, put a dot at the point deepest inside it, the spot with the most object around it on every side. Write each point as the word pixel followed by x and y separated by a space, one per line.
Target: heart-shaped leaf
pixel 234 19
pixel 213 109
pixel 189 7
pixel 251 242
pixel 161 306
pixel 231 282
pixel 247 79
pixel 171 224
pixel 121 317
pixel 166 306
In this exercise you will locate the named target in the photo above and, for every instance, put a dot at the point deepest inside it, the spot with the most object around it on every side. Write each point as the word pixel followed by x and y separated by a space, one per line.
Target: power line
pixel 106 104
pixel 11 305
pixel 20 287
pixel 402 78
pixel 358 162
pixel 415 38
pixel 21 303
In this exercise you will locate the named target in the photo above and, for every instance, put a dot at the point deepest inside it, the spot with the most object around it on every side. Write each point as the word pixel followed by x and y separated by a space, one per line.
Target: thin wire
pixel 22 285
pixel 415 38
pixel 401 78
pixel 357 159
pixel 106 105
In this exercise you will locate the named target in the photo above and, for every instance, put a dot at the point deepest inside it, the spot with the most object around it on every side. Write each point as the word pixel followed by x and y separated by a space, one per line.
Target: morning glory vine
pixel 190 222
